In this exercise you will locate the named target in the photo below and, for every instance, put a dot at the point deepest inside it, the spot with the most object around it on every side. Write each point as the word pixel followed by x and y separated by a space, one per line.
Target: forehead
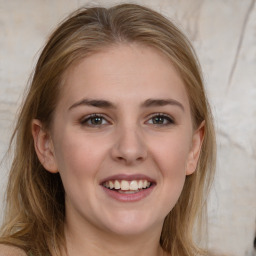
pixel 124 71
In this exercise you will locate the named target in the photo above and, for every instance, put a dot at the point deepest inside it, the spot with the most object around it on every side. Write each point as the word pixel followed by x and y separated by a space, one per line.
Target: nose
pixel 129 146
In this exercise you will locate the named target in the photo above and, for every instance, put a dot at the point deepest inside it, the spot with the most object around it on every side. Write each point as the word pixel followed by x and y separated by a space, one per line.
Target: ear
pixel 44 146
pixel 195 150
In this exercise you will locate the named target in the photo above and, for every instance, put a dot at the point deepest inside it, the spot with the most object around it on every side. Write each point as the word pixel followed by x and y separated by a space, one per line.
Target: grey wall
pixel 224 35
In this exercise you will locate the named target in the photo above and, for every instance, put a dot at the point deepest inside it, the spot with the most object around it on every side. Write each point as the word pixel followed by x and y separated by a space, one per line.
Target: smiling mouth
pixel 127 187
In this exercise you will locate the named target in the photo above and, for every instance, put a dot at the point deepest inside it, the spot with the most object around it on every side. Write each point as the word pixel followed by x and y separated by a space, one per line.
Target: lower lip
pixel 129 197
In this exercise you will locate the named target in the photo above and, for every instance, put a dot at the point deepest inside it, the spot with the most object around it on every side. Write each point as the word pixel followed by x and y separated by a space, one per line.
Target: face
pixel 121 139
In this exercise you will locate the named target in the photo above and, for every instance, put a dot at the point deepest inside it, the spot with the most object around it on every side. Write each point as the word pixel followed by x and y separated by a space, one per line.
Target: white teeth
pixel 145 184
pixel 134 185
pixel 117 184
pixel 128 191
pixel 111 185
pixel 125 185
pixel 140 185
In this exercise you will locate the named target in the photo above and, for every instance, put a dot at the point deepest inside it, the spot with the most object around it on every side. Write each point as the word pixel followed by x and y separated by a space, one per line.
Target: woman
pixel 115 146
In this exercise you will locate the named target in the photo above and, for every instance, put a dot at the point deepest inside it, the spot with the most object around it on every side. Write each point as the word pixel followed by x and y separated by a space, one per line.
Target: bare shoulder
pixel 7 250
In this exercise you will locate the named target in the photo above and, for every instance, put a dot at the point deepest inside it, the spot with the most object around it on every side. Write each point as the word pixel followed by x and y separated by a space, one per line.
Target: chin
pixel 132 223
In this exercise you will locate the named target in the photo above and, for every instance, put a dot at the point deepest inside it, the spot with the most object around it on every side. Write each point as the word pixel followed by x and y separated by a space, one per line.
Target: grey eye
pixel 160 120
pixel 94 120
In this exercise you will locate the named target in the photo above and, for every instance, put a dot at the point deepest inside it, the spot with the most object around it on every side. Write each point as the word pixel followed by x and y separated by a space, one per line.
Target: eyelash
pixel 164 117
pixel 168 118
pixel 85 120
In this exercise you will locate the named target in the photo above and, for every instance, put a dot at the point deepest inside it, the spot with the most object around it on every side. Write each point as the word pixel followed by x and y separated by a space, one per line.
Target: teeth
pixel 140 185
pixel 125 185
pixel 134 185
pixel 128 191
pixel 117 184
pixel 111 185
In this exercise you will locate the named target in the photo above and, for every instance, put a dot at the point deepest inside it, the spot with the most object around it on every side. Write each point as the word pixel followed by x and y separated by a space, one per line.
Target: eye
pixel 94 120
pixel 160 119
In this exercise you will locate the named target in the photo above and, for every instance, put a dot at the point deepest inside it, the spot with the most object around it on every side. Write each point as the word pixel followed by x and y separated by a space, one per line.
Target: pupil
pixel 158 120
pixel 96 120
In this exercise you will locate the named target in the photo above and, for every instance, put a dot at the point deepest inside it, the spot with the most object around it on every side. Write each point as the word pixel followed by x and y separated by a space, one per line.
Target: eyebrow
pixel 107 104
pixel 93 103
pixel 162 102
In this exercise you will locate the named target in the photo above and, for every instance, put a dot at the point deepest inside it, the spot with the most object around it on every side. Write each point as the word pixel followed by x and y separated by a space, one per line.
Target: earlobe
pixel 43 146
pixel 196 145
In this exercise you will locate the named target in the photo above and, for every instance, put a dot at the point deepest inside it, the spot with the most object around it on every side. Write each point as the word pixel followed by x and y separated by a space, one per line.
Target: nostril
pixel 254 243
pixel 120 158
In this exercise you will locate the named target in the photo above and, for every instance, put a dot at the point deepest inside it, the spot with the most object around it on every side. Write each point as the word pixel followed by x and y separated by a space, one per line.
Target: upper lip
pixel 128 177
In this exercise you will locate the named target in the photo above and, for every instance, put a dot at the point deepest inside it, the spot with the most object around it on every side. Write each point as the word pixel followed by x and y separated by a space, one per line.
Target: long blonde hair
pixel 35 210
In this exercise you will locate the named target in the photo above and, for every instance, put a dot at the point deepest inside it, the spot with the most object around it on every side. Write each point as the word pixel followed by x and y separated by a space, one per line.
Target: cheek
pixel 78 157
pixel 172 164
pixel 79 162
pixel 171 158
pixel 172 155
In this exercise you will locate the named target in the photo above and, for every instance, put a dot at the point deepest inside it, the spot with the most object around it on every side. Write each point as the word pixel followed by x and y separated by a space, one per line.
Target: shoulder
pixel 7 250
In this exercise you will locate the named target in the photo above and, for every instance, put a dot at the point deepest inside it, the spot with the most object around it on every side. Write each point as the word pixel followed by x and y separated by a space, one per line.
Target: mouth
pixel 127 186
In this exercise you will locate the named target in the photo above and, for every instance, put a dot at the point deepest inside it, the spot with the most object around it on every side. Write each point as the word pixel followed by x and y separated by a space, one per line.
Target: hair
pixel 35 208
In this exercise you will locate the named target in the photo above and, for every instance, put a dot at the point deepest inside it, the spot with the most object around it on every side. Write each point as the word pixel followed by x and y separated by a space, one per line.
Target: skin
pixel 128 138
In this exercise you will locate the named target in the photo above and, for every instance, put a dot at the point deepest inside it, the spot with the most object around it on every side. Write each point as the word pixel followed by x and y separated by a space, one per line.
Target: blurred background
pixel 223 33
